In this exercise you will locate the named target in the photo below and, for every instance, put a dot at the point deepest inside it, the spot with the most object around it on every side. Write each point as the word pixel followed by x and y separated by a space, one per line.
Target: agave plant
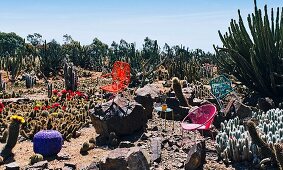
pixel 255 57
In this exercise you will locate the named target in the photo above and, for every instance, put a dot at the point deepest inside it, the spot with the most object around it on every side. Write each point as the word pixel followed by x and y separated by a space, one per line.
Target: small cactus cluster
pixel 271 124
pixel 30 80
pixel 233 142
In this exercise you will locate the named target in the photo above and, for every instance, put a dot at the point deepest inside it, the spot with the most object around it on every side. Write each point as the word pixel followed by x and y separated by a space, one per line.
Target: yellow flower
pixel 54 114
pixel 18 118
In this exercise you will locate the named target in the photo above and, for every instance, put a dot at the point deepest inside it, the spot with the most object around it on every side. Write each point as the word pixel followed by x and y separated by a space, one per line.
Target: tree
pixel 35 39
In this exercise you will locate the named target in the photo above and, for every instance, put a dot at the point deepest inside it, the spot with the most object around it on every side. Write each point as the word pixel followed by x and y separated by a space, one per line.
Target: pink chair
pixel 201 117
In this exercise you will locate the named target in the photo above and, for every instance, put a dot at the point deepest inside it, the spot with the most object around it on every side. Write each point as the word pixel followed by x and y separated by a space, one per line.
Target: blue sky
pixel 193 23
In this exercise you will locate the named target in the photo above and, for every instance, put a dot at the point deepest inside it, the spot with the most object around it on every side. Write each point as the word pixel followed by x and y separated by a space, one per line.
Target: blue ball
pixel 47 142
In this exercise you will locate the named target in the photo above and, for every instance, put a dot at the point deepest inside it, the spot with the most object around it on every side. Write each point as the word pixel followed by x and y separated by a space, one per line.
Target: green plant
pixel 13 134
pixel 30 81
pixel 70 76
pixel 177 87
pixel 36 158
pixel 255 60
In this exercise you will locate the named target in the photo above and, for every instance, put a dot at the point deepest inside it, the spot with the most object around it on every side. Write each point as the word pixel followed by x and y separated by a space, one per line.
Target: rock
pixel 265 104
pixel 196 156
pixel 120 116
pixel 39 165
pixel 242 110
pixel 172 103
pixel 63 156
pixel 12 166
pixel 155 128
pixel 126 144
pixel 125 159
pixel 92 166
pixel 71 165
pixel 155 145
pixel 146 97
pixel 77 134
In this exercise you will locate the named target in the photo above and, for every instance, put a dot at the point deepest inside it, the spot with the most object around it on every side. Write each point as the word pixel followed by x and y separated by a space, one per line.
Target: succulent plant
pixel 47 142
pixel 13 133
pixel 36 158
pixel 236 143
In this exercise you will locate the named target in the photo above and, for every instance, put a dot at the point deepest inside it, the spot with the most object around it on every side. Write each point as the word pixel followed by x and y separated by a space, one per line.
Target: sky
pixel 192 23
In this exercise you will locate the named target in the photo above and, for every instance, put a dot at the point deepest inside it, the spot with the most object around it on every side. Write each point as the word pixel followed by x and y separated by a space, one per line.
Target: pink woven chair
pixel 202 118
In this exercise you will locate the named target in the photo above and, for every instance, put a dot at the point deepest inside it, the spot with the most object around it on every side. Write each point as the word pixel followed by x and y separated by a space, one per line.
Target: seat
pixel 120 77
pixel 201 118
pixel 221 87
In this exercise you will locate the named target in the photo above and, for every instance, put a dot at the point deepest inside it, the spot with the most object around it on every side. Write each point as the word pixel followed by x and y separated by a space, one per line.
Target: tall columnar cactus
pixel 177 87
pixel 2 84
pixel 14 130
pixel 256 59
pixel 71 78
pixel 49 90
pixel 30 81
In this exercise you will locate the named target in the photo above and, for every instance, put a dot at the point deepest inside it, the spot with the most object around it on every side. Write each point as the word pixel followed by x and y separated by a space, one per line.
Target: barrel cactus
pixel 47 142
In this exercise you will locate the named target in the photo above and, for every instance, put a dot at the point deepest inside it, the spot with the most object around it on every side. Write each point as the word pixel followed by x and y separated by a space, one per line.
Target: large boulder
pixel 125 159
pixel 146 97
pixel 121 116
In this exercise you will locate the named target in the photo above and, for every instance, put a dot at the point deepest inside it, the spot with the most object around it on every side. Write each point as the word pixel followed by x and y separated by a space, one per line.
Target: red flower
pixel 64 91
pixel 1 105
pixel 80 94
pixel 36 108
pixel 55 105
pixel 55 91
pixel 43 108
pixel 48 107
pixel 64 108
pixel 69 98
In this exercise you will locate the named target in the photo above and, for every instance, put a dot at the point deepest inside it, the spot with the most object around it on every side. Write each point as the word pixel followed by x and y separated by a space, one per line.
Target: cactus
pixel 234 143
pixel 2 84
pixel 70 76
pixel 30 81
pixel 36 158
pixel 14 130
pixel 177 87
pixel 255 60
pixel 49 90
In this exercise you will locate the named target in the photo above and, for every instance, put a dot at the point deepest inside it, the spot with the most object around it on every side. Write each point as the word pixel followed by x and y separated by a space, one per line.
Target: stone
pixel 92 166
pixel 155 146
pixel 265 104
pixel 71 165
pixel 126 144
pixel 196 156
pixel 12 166
pixel 146 96
pixel 242 110
pixel 125 159
pixel 120 115
pixel 39 165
